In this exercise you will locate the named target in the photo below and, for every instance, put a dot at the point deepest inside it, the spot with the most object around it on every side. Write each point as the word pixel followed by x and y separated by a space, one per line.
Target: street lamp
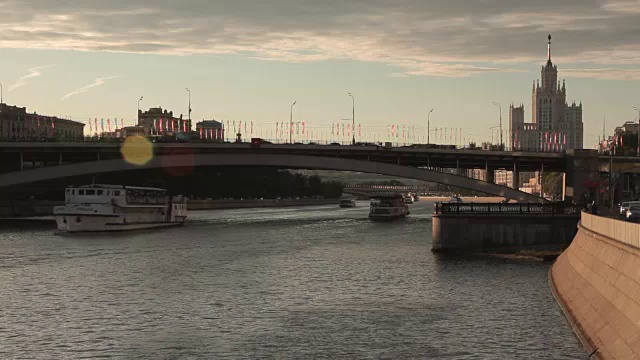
pixel 638 149
pixel 429 125
pixel 189 91
pixel 138 116
pixel 353 119
pixel 499 107
pixel 291 123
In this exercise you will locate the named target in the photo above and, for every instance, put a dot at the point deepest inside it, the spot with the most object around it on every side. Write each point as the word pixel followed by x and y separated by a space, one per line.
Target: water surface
pixel 309 282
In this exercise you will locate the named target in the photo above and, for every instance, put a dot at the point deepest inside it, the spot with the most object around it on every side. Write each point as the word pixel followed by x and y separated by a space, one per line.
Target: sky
pixel 248 60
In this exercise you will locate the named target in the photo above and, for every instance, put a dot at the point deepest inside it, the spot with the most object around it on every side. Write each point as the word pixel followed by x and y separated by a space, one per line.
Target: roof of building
pixel 209 123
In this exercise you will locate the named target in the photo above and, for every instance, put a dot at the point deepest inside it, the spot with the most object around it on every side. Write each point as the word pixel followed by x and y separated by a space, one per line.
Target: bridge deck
pixel 408 156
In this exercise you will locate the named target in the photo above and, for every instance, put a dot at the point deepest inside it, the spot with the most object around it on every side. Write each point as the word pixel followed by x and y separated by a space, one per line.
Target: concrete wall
pixel 475 232
pixel 596 282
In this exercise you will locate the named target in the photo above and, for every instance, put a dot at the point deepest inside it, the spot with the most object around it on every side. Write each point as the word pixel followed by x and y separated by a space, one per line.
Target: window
pixel 91 192
pixel 117 193
pixel 99 192
pixel 80 192
pixel 73 191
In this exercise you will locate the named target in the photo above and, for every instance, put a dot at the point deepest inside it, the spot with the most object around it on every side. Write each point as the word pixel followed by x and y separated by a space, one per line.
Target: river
pixel 308 282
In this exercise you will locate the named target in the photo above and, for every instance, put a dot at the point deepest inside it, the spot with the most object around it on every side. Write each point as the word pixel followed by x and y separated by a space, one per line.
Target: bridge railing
pixel 502 208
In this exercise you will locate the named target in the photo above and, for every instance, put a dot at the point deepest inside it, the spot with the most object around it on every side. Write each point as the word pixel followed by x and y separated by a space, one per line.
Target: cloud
pixel 435 38
pixel 31 73
pixel 603 73
pixel 96 83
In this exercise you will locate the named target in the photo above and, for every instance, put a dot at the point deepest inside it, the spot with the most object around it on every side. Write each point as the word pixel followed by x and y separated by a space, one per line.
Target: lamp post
pixel 429 125
pixel 189 91
pixel 638 149
pixel 499 107
pixel 138 116
pixel 353 119
pixel 291 123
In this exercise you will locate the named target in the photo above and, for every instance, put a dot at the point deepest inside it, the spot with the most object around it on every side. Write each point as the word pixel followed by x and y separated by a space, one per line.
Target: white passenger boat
pixel 388 207
pixel 347 202
pixel 116 207
pixel 408 199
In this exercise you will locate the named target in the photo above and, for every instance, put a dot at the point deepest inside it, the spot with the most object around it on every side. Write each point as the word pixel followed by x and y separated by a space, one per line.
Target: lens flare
pixel 137 150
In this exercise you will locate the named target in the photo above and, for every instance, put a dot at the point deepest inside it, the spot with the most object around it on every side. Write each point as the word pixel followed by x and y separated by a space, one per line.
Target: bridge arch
pixel 273 160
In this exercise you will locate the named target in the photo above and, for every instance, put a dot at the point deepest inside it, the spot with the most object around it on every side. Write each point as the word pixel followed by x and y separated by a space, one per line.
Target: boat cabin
pixel 115 194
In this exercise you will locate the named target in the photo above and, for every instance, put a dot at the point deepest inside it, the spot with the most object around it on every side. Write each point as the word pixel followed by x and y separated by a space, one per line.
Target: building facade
pixel 18 125
pixel 157 121
pixel 210 130
pixel 555 125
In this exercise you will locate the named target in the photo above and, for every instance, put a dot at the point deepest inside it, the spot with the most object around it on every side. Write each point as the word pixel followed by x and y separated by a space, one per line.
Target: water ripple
pixel 314 282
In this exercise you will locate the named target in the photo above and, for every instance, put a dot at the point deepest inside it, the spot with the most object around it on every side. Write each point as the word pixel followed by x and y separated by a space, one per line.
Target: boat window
pixel 99 192
pixel 91 192
pixel 80 192
pixel 117 193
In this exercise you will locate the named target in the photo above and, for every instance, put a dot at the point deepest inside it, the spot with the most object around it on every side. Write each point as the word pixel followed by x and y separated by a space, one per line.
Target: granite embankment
pixel 596 282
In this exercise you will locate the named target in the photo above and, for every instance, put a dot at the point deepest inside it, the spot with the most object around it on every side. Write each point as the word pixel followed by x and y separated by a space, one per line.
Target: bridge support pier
pixel 581 170
pixel 490 174
pixel 515 182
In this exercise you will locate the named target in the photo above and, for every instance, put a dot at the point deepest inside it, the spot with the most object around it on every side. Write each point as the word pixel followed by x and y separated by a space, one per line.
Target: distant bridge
pixel 33 162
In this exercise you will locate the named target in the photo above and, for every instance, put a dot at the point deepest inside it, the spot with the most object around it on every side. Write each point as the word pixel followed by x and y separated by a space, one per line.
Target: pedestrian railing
pixel 507 208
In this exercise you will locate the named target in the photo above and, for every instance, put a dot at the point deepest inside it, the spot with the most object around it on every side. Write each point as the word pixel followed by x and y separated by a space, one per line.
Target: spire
pixel 549 50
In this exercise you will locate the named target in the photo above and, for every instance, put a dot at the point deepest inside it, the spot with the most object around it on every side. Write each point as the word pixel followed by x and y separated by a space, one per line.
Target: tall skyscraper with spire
pixel 554 125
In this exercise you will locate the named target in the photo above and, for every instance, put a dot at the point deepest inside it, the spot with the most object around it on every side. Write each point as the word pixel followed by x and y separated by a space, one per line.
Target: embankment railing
pixel 507 208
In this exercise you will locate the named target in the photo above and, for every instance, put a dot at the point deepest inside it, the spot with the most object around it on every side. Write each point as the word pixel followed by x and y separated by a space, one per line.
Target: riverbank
pixel 195 205
pixel 596 283
pixel 43 211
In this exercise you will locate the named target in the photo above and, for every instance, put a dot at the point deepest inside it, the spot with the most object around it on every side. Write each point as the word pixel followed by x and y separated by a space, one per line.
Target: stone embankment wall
pixel 493 232
pixel 596 282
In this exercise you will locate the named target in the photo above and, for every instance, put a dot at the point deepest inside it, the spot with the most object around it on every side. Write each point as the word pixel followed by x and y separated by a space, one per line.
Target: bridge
pixel 35 162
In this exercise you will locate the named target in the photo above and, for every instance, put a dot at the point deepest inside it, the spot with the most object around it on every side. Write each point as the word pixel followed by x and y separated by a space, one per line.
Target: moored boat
pixel 387 207
pixel 347 202
pixel 116 207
